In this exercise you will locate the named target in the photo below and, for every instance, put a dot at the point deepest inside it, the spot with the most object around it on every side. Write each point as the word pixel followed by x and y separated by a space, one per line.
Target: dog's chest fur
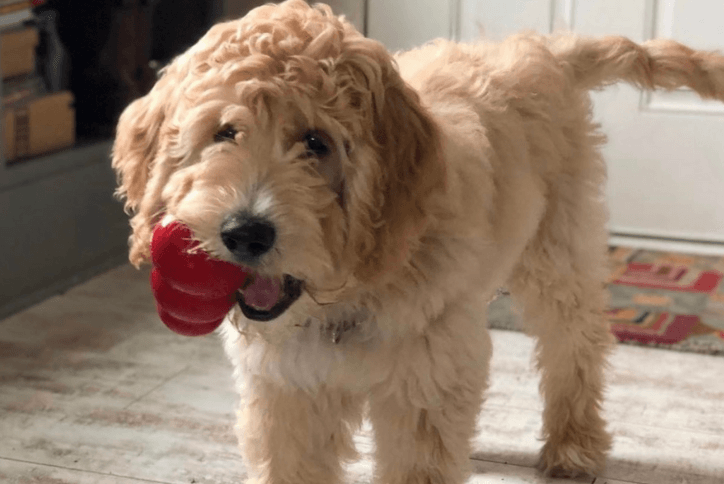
pixel 307 354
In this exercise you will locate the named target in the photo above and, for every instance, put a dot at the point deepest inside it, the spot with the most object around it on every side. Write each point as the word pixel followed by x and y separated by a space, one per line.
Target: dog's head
pixel 290 145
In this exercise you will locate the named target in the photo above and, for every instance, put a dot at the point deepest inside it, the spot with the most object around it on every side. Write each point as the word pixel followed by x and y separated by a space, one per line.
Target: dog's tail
pixel 655 64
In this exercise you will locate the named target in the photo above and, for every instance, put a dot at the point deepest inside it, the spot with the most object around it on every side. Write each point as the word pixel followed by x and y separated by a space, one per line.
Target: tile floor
pixel 94 389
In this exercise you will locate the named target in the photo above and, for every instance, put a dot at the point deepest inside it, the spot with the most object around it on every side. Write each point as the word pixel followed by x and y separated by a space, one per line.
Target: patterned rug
pixel 661 299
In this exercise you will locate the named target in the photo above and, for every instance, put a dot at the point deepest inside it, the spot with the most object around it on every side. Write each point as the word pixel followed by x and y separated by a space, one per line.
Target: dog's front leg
pixel 424 414
pixel 296 436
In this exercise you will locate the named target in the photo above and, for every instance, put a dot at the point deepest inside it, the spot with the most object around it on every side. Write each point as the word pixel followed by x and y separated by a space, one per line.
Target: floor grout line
pixel 141 397
pixel 523 467
pixel 621 481
pixel 55 466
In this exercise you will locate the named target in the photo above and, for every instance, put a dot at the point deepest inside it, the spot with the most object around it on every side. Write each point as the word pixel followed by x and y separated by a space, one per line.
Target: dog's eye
pixel 226 133
pixel 317 144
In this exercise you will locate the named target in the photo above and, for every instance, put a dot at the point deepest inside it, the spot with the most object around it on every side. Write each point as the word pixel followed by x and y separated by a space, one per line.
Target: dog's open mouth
pixel 265 298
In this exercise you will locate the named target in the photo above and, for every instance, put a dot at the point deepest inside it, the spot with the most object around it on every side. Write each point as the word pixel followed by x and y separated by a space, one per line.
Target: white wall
pixel 402 24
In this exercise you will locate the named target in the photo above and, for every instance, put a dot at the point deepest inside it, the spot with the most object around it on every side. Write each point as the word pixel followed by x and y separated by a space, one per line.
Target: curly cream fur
pixel 459 168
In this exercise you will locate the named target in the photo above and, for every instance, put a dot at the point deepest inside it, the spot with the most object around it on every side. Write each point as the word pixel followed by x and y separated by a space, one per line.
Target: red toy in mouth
pixel 194 291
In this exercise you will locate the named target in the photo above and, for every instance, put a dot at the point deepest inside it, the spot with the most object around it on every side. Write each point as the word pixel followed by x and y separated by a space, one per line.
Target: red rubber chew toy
pixel 193 291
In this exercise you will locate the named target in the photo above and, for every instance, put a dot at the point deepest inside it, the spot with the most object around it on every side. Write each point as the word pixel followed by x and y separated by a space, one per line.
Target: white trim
pixel 698 248
pixel 455 13
pixel 695 237
pixel 569 8
pixel 659 23
pixel 665 13
pixel 562 15
pixel 649 20
pixel 680 101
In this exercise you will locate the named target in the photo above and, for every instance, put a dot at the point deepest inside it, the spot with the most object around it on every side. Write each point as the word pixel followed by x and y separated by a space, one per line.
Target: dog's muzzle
pixel 248 237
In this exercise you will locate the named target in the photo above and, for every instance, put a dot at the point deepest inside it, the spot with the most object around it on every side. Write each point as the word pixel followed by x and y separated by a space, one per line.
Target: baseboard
pixel 667 245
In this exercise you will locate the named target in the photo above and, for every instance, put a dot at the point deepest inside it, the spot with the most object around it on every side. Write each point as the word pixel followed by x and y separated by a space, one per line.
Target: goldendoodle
pixel 378 202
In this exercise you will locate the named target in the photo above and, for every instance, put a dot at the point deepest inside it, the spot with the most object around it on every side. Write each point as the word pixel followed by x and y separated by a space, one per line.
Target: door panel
pixel 666 150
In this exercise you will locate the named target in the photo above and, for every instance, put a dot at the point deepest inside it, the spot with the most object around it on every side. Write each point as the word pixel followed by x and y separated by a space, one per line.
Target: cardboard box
pixel 17 52
pixel 42 125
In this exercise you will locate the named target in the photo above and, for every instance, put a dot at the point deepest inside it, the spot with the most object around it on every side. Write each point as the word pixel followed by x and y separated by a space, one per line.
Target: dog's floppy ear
pixel 136 145
pixel 408 172
pixel 135 154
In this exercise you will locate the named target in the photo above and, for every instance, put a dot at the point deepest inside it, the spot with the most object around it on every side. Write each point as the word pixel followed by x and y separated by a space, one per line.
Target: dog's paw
pixel 573 460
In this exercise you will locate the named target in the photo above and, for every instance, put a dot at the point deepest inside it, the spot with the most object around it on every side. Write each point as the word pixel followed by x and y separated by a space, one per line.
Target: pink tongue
pixel 263 292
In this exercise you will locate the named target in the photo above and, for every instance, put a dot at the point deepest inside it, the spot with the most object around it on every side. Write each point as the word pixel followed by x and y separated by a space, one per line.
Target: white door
pixel 666 150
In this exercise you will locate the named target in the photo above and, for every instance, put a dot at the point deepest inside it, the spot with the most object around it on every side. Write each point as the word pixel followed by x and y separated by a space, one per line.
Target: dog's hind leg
pixel 560 281
pixel 294 436
pixel 424 414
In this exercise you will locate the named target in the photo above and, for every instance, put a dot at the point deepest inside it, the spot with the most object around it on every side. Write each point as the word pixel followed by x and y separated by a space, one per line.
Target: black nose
pixel 248 237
